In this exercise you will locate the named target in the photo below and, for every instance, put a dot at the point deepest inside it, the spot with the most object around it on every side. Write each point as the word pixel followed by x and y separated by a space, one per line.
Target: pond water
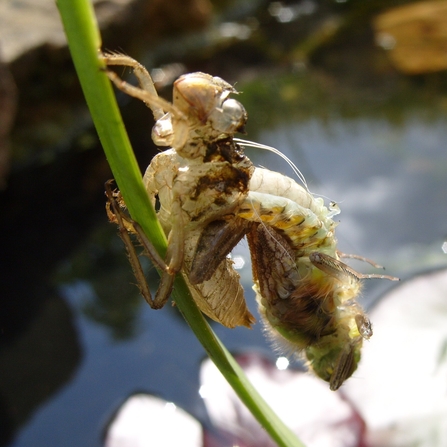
pixel 92 340
pixel 389 180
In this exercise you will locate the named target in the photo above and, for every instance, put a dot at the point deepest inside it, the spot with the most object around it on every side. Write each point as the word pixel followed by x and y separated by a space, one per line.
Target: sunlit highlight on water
pixel 170 407
pixel 282 363
pixel 204 392
pixel 238 262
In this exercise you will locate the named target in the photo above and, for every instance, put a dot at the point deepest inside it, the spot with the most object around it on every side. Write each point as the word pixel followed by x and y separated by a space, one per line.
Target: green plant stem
pixel 84 42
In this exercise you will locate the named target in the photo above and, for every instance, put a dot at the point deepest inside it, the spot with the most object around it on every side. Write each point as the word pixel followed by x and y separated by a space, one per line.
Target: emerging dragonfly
pixel 306 295
pixel 211 196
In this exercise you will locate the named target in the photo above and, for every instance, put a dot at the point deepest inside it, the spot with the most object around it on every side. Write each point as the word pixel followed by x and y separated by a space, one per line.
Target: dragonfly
pixel 211 196
pixel 307 296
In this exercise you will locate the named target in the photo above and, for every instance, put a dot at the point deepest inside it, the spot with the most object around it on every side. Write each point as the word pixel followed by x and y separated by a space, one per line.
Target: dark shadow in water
pixel 40 224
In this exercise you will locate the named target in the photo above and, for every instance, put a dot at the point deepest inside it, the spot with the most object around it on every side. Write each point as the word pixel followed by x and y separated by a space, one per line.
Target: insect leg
pixel 147 93
pixel 339 269
pixel 126 225
pixel 176 240
pixel 359 258
pixel 344 366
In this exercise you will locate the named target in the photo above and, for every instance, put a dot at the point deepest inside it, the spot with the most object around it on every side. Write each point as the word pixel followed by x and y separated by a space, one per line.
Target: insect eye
pixel 364 326
pixel 229 118
pixel 163 132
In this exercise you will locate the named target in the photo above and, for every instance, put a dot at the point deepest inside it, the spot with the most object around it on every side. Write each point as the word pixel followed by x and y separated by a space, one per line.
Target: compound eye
pixel 364 326
pixel 230 117
pixel 163 132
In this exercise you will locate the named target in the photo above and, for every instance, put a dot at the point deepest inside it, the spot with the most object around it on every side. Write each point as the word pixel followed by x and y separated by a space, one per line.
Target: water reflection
pixel 97 280
pixel 379 151
pixel 389 180
pixel 389 190
pixel 29 375
pixel 415 36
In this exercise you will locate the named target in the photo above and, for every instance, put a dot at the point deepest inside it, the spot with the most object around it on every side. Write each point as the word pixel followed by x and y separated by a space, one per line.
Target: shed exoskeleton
pixel 201 179
pixel 210 196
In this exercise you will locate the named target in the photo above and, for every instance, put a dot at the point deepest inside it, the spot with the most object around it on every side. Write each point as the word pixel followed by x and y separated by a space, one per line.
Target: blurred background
pixel 353 91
